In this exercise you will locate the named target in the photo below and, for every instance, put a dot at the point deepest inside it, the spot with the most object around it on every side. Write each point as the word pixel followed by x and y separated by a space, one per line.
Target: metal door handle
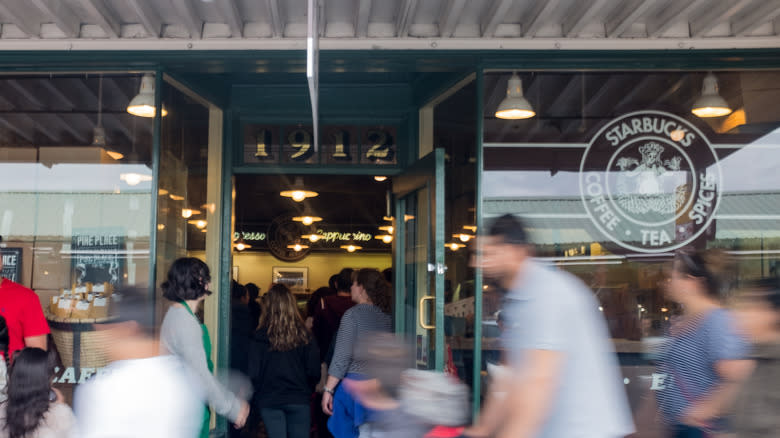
pixel 421 313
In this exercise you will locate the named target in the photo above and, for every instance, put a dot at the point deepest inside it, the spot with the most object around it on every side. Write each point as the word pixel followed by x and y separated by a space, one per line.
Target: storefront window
pixel 615 171
pixel 75 203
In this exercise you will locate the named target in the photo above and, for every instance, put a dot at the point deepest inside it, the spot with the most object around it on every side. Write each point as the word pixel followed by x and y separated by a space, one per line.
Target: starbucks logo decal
pixel 650 181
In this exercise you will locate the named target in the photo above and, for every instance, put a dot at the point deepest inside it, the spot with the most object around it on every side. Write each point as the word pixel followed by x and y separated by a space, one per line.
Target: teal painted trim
pixel 478 272
pixel 315 169
pixel 438 251
pixel 399 269
pixel 226 255
pixel 219 98
pixel 429 87
pixel 156 146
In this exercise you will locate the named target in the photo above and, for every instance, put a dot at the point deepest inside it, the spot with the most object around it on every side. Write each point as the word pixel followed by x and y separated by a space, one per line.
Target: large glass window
pixel 75 202
pixel 617 170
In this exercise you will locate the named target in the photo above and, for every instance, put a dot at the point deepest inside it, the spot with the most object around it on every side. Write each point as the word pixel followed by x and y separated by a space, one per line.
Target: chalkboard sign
pixel 98 256
pixel 12 264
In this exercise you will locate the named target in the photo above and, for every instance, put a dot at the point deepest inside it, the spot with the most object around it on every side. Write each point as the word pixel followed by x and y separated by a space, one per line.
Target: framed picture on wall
pixel 297 279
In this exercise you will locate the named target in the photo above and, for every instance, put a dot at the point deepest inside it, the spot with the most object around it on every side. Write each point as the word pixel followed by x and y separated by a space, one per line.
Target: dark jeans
pixel 683 431
pixel 287 421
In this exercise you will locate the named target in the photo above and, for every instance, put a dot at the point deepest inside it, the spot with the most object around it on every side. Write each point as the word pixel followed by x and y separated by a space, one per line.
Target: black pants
pixel 287 421
pixel 683 431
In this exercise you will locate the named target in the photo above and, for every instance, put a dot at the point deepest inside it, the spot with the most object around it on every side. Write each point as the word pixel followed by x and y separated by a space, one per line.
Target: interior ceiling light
pixel 710 103
pixel 240 244
pixel 388 228
pixel 204 231
pixel 199 223
pixel 388 218
pixel 134 179
pixel 454 246
pixel 297 247
pixel 307 219
pixel 380 178
pixel 297 192
pixel 515 106
pixel 160 227
pixel 463 237
pixel 408 217
pixel 99 134
pixel 176 197
pixel 187 213
pixel 313 237
pixel 142 105
pixel 387 238
pixel 351 247
pixel 162 192
pixel 472 228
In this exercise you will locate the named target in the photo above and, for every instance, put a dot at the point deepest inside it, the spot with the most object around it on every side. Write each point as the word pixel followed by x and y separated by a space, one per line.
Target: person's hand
pixel 474 432
pixel 243 413
pixel 699 415
pixel 327 403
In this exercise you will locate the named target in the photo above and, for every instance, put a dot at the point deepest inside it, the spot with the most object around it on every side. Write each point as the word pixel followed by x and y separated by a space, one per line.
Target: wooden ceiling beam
pixel 232 16
pixel 674 12
pixel 713 16
pixel 625 16
pixel 105 18
pixel 494 16
pixel 68 22
pixel 150 18
pixel 188 16
pixel 763 13
pixel 406 10
pixel 277 26
pixel 538 17
pixel 452 10
pixel 362 15
pixel 574 23
pixel 26 21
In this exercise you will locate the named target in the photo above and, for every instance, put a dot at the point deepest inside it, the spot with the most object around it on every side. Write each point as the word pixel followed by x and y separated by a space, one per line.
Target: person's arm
pixel 185 339
pixel 36 342
pixel 732 374
pixel 35 329
pixel 530 391
pixel 342 357
pixel 313 365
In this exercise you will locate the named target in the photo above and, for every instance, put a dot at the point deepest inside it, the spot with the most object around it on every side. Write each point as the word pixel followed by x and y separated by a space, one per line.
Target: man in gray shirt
pixel 565 380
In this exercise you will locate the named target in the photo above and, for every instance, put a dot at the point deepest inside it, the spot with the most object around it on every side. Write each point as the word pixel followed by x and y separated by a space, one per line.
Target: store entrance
pixel 302 229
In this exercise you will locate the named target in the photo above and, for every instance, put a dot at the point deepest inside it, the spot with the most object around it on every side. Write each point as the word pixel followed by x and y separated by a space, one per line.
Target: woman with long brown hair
pixel 284 365
pixel 371 314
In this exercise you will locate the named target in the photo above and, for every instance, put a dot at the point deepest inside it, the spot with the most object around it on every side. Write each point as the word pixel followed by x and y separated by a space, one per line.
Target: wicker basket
pixel 79 344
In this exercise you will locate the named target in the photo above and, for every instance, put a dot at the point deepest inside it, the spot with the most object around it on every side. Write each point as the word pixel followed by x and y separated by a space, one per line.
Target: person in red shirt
pixel 21 308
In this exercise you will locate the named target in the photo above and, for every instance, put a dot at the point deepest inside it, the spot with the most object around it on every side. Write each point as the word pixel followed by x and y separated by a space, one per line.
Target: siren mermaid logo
pixel 650 181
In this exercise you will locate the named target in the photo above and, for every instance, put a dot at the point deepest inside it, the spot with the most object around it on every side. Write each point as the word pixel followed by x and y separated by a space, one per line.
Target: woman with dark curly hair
pixel 183 335
pixel 284 365
pixel 371 314
pixel 34 409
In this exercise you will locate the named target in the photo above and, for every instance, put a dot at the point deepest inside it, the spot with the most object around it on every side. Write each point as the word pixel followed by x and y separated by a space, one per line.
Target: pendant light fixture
pixel 187 213
pixel 515 106
pixel 297 192
pixel 387 238
pixel 142 105
pixel 99 133
pixel 297 246
pixel 463 237
pixel 240 244
pixel 351 247
pixel 710 103
pixel 454 246
pixel 307 218
pixel 199 223
pixel 313 237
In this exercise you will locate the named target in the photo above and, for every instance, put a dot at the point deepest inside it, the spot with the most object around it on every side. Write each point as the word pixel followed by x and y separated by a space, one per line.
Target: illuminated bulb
pixel 387 238
pixel 160 227
pixel 176 197
pixel 162 192
pixel 664 309
pixel 380 178
pixel 463 237
pixel 297 247
pixel 312 237
pixel 240 246
pixel 388 218
pixel 187 213
pixel 204 230
pixel 601 309
pixel 472 228
pixel 454 246
pixel 307 220
pixel 115 155
pixel 298 196
pixel 200 223
pixel 351 248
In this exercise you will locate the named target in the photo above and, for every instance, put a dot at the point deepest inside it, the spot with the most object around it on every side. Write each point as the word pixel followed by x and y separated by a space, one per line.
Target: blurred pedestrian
pixel 21 308
pixel 254 305
pixel 4 361
pixel 758 403
pixel 34 409
pixel 141 393
pixel 564 378
pixel 703 364
pixel 183 335
pixel 241 327
pixel 370 315
pixel 315 300
pixel 284 366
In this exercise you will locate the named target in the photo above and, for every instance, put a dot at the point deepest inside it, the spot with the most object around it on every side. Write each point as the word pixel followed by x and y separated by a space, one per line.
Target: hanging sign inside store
pixel 340 145
pixel 650 181
pixel 12 264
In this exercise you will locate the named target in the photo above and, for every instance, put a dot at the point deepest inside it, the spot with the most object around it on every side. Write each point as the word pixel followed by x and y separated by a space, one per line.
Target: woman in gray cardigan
pixel 183 335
